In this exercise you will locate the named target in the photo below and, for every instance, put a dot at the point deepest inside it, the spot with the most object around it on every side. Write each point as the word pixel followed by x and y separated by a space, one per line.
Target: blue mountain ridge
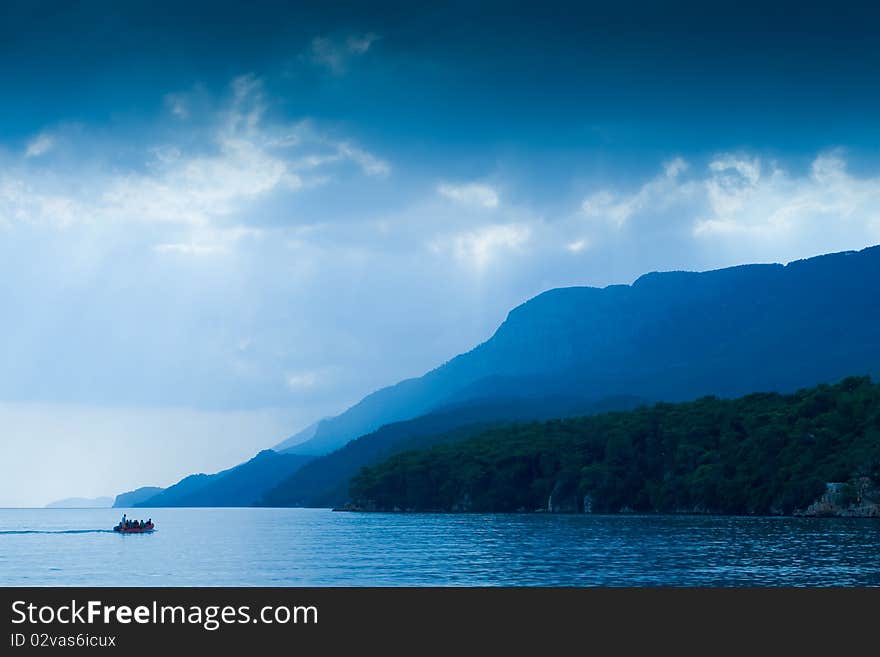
pixel 670 336
pixel 242 485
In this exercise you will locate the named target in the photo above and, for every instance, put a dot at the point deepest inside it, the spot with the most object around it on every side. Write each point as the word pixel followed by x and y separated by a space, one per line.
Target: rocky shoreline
pixel 858 498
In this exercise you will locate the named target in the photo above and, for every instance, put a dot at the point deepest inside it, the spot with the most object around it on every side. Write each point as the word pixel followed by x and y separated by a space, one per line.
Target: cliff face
pixel 857 498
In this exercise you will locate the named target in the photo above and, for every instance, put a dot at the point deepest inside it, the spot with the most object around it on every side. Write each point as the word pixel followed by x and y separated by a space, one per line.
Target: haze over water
pixel 317 547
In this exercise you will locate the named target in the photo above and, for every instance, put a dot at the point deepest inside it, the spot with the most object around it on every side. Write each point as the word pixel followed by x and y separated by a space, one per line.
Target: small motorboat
pixel 134 528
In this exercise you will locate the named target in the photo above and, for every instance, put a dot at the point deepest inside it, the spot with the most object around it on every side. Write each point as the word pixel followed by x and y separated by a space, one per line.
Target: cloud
pixel 745 204
pixel 672 168
pixel 312 381
pixel 210 241
pixel 188 248
pixel 369 163
pixel 361 44
pixel 471 194
pixel 727 209
pixel 178 105
pixel 336 152
pixel 299 380
pixel 23 200
pixel 479 248
pixel 172 248
pixel 605 205
pixel 39 145
pixel 753 202
pixel 335 55
pixel 657 195
pixel 239 159
pixel 577 246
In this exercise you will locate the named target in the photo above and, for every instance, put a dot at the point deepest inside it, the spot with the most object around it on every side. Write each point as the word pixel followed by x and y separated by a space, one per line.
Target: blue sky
pixel 221 222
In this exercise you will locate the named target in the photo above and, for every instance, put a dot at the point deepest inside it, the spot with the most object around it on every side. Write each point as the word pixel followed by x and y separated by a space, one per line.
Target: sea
pixel 320 547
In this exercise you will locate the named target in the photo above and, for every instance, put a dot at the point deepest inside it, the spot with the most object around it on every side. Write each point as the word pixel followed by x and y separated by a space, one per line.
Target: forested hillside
pixel 759 454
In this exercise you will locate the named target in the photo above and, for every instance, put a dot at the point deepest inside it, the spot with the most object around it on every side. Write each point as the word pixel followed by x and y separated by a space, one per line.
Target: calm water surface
pixel 315 547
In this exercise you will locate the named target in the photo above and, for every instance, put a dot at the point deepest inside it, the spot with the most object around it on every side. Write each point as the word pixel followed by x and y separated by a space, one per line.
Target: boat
pixel 147 528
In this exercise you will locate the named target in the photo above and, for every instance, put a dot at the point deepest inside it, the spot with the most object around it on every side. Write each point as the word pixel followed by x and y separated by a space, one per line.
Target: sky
pixel 220 222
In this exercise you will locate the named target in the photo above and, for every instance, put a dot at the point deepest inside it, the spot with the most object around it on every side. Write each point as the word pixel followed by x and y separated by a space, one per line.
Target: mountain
pixel 173 495
pixel 133 497
pixel 324 481
pixel 669 336
pixel 82 503
pixel 293 441
pixel 815 452
pixel 242 485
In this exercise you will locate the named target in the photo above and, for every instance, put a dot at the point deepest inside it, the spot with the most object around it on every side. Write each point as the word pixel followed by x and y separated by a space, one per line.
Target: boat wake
pixel 55 531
